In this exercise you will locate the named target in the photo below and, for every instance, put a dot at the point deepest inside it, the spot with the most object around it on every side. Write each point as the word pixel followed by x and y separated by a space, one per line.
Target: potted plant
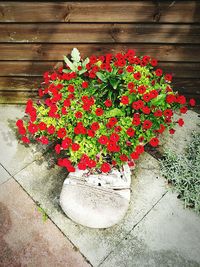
pixel 100 112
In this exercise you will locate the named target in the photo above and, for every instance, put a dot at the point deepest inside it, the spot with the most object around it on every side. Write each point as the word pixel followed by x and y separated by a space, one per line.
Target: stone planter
pixel 96 201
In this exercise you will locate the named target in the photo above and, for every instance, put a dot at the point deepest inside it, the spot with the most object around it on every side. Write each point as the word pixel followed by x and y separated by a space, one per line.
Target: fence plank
pixel 99 33
pixel 100 11
pixel 190 53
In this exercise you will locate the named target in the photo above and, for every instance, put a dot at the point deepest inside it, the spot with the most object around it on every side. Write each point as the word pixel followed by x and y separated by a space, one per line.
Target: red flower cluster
pixel 110 106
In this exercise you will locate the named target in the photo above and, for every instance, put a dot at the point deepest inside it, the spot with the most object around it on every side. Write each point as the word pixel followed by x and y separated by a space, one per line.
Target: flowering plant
pixel 101 111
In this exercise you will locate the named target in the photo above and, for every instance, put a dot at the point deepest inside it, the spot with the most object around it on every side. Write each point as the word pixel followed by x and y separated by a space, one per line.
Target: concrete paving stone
pixel 183 135
pixel 45 185
pixel 14 156
pixel 4 175
pixel 168 236
pixel 25 240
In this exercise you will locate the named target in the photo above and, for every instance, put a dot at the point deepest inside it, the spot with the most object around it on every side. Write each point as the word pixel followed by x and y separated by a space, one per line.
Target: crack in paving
pixel 125 237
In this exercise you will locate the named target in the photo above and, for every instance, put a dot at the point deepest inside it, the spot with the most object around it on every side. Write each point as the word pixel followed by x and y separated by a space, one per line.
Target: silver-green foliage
pixel 183 172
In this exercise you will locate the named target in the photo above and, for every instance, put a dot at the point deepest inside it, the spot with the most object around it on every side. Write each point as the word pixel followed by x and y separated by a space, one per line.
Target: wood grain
pixel 99 33
pixel 190 53
pixel 100 11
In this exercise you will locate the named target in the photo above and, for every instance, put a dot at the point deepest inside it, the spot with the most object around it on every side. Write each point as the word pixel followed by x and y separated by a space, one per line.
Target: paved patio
pixel 156 231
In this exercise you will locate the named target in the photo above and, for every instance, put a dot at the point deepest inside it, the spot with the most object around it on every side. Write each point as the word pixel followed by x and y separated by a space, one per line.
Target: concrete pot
pixel 96 201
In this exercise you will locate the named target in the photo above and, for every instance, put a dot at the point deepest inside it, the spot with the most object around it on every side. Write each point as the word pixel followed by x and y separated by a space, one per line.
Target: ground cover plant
pixel 183 172
pixel 102 110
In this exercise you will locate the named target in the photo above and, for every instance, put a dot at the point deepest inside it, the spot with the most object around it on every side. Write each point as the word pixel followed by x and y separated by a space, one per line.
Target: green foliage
pixel 183 172
pixel 44 215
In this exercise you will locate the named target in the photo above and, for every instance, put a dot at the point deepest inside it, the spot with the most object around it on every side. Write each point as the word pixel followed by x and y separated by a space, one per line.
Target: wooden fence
pixel 35 36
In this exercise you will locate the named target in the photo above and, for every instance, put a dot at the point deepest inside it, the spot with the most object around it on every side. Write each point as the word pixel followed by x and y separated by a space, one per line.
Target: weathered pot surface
pixel 96 201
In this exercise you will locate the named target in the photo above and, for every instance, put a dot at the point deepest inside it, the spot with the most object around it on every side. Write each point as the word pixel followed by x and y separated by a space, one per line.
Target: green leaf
pixel 69 63
pixel 114 113
pixel 114 82
pixel 101 76
pixel 158 100
pixel 75 55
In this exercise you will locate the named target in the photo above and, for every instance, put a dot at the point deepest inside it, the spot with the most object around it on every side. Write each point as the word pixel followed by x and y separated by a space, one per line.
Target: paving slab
pixel 4 175
pixel 168 236
pixel 44 185
pixel 183 135
pixel 14 156
pixel 25 240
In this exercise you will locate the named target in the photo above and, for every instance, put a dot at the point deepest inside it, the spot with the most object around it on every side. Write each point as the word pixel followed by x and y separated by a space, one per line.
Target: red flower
pixel 108 103
pixel 22 130
pixel 137 75
pixel 57 148
pixel 84 85
pixel 139 149
pixel 79 67
pixel 147 124
pixel 154 62
pixel 137 104
pixel 146 97
pixel 123 157
pixel 134 155
pixel 158 113
pixel 19 123
pixel 168 77
pixel 42 126
pixel 168 113
pixel 113 147
pixel 64 111
pixel 103 140
pixel 67 103
pixel 44 140
pixel 131 85
pixel 125 100
pixel 183 110
pixel 171 131
pixel 82 166
pixel 66 143
pixel 192 102
pixel 136 121
pixel 92 163
pixel 112 121
pixel 161 129
pixel 181 122
pixel 114 137
pixel 51 129
pixel 71 88
pixel 105 167
pixel 154 142
pixel 32 128
pixel 141 89
pixel 181 99
pixel 129 68
pixel 170 99
pixel 146 110
pixel 75 147
pixel 90 133
pixel 118 129
pixel 78 114
pixel 61 133
pixel 130 132
pixel 25 140
pixel 99 111
pixel 86 107
pixel 95 126
pixel 158 72
pixel 153 94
